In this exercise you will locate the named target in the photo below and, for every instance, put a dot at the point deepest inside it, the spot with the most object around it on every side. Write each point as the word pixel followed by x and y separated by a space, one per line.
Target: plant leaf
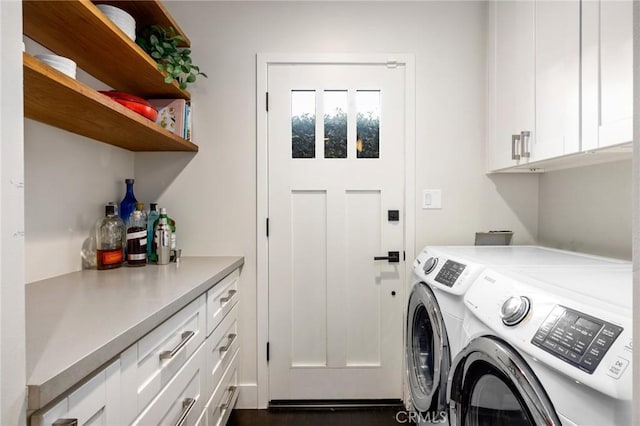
pixel 168 79
pixel 156 55
pixel 153 39
pixel 160 67
pixel 169 68
pixel 159 49
pixel 191 78
pixel 183 86
pixel 185 69
pixel 203 74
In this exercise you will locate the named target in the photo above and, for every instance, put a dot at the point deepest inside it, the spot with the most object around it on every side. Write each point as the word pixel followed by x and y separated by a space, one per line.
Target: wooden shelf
pixel 148 12
pixel 77 29
pixel 53 98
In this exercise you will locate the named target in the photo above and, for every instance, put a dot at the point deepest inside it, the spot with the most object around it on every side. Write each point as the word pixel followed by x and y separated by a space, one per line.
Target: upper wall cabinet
pixel 557 79
pixel 607 73
pixel 511 83
pixel 77 29
pixel 546 102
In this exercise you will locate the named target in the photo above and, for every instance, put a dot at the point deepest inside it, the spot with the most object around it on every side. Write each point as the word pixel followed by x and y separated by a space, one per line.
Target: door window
pixel 303 123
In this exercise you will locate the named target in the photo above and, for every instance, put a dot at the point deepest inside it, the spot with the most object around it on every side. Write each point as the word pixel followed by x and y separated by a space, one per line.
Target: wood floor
pixel 327 417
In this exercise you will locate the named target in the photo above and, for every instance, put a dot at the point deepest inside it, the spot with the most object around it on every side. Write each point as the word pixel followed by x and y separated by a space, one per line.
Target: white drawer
pixel 225 396
pixel 220 348
pixel 95 402
pixel 150 364
pixel 181 401
pixel 221 298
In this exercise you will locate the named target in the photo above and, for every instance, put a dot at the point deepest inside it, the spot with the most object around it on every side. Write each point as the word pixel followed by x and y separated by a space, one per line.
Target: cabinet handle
pixel 65 422
pixel 524 144
pixel 232 394
pixel 187 406
pixel 186 336
pixel 229 296
pixel 231 337
pixel 514 150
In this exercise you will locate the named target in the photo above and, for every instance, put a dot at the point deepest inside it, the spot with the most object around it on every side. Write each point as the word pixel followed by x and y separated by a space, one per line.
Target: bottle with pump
pixel 128 203
pixel 137 239
pixel 110 233
pixel 162 241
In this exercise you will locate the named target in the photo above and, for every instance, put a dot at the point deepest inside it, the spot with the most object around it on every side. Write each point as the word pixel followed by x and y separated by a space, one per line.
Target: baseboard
pixel 248 397
pixel 334 404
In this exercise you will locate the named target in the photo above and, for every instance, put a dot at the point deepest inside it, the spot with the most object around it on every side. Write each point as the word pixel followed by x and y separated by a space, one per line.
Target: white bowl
pixel 62 64
pixel 120 18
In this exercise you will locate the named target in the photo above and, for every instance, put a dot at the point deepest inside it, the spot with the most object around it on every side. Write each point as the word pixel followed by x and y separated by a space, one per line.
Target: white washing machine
pixel 548 346
pixel 442 275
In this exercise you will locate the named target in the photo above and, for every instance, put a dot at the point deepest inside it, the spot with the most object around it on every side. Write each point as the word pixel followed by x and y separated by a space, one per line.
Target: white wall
pixel 213 195
pixel 68 179
pixel 12 305
pixel 588 209
pixel 636 205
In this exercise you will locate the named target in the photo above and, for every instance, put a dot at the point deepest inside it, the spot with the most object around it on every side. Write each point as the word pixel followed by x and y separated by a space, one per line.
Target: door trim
pixel 263 60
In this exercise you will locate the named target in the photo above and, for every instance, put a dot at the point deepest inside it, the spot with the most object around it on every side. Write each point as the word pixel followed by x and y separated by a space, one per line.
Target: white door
pixel 336 146
pixel 557 74
pixel 512 82
pixel 607 73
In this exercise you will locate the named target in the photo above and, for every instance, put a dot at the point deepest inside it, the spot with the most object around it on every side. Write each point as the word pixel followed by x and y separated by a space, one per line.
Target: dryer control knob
pixel 430 264
pixel 514 309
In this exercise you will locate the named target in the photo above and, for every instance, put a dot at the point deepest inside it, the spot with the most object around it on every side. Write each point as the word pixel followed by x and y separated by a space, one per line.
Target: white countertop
pixel 77 322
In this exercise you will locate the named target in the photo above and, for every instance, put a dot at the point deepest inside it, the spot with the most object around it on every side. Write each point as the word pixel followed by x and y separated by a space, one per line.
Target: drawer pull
pixel 187 406
pixel 65 422
pixel 232 394
pixel 229 296
pixel 231 338
pixel 186 336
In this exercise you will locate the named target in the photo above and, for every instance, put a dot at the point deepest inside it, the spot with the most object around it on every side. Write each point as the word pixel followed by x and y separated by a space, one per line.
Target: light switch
pixel 432 199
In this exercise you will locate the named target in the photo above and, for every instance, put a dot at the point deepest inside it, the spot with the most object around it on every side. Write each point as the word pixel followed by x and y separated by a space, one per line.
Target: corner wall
pixel 588 209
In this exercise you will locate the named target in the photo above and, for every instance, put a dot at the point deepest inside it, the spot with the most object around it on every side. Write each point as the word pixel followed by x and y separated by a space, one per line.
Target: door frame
pixel 263 60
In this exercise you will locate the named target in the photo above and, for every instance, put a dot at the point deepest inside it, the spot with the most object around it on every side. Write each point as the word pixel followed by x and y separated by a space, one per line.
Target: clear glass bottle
pixel 137 239
pixel 110 234
pixel 152 217
pixel 128 203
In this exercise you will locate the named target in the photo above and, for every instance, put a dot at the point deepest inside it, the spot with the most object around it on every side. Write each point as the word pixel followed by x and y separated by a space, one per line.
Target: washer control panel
pixel 578 339
pixel 450 272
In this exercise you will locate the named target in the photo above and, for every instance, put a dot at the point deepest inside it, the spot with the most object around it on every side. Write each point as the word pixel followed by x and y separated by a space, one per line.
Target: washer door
pixel 427 351
pixel 490 384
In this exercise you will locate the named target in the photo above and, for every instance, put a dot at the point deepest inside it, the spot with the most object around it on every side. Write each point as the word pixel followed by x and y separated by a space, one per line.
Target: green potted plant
pixel 162 45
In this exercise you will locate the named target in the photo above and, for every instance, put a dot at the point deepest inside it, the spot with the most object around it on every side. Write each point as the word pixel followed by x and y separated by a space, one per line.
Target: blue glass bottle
pixel 128 203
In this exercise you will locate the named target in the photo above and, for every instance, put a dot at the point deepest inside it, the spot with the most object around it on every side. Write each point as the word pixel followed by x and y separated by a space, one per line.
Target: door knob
pixel 393 257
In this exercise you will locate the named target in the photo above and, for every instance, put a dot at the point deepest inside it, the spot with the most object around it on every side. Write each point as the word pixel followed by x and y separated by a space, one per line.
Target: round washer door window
pixel 493 403
pixel 422 345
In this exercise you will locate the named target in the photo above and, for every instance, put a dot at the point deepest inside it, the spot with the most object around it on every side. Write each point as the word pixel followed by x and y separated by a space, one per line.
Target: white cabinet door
pixel 97 402
pixel 607 73
pixel 512 65
pixel 557 79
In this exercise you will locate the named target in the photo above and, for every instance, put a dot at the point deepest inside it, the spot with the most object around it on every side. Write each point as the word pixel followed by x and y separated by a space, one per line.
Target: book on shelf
pixel 174 115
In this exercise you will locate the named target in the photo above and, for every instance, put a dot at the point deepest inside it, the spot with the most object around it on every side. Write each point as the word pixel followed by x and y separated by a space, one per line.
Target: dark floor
pixel 327 417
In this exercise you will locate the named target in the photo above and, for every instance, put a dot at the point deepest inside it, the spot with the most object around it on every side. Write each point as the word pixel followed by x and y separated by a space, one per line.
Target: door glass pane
pixel 303 123
pixel 422 346
pixel 494 404
pixel 368 125
pixel 335 124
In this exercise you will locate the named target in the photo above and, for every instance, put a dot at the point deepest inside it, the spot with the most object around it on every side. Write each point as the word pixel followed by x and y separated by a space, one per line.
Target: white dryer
pixel 548 345
pixel 442 275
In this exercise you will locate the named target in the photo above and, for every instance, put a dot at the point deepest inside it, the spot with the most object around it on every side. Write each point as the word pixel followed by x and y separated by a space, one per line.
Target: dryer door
pixel 490 384
pixel 427 351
